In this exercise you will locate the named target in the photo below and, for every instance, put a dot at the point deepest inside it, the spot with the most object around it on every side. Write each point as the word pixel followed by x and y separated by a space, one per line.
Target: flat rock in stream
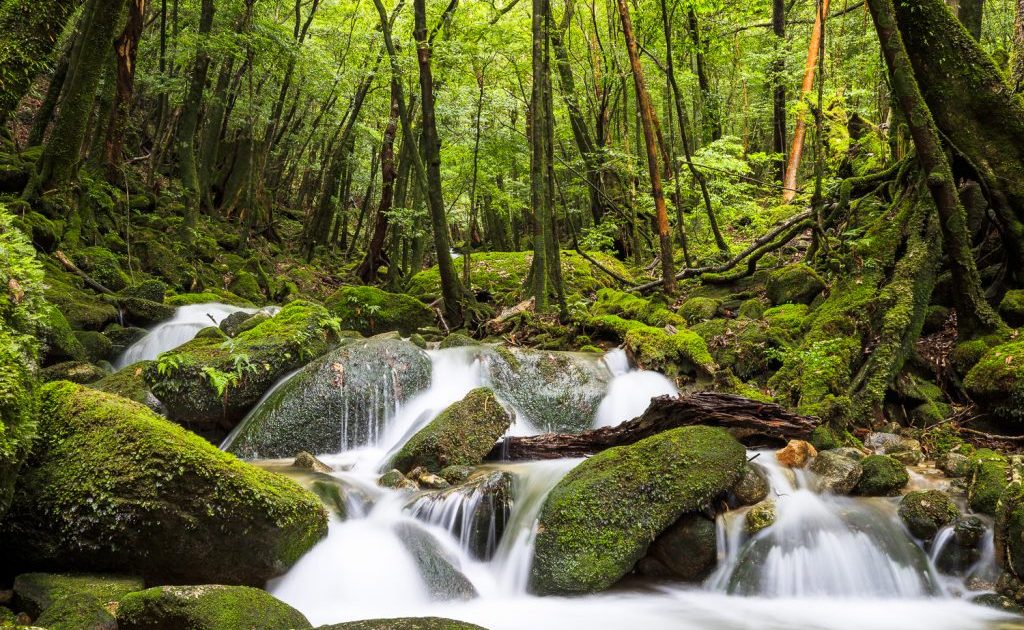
pixel 404 623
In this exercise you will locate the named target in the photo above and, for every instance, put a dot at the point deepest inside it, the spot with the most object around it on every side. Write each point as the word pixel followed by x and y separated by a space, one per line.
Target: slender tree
pixel 189 123
pixel 127 49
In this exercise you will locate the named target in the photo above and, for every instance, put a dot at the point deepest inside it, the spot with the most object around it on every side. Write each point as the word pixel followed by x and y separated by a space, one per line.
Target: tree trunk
pixel 189 122
pixel 541 137
pixel 1017 54
pixel 644 105
pixel 789 182
pixel 367 271
pixel 29 30
pixel 756 424
pixel 974 314
pixel 712 112
pixel 970 12
pixel 127 48
pixel 778 75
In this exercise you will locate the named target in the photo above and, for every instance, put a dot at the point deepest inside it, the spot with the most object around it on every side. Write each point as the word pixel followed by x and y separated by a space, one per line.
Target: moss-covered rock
pixel 121 337
pixel 1009 530
pixel 987 480
pixel 675 353
pixel 457 340
pixel 824 438
pixel 247 286
pixel 761 516
pixel 461 436
pixel 996 382
pixel 130 382
pixel 484 503
pixel 207 607
pixel 685 551
pixel 211 295
pixel 341 400
pixel 98 346
pixel 102 265
pixel 1012 307
pixel 502 275
pixel 81 372
pixel 601 517
pixel 59 341
pixel 83 309
pixel 699 309
pixel 152 290
pixel 404 623
pixel 752 487
pixel 63 601
pixel 797 284
pixel 882 476
pixel 142 312
pixel 113 487
pixel 925 512
pixel 633 307
pixel 208 384
pixel 372 311
pixel 836 472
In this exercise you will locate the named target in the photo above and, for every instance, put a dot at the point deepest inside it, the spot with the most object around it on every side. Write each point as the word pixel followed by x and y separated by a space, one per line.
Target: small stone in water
pixel 307 461
pixel 796 454
pixel 760 516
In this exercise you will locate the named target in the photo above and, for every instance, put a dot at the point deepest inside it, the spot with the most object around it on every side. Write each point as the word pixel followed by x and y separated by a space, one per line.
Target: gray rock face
pixel 339 401
pixel 752 487
pixel 836 473
pixel 438 568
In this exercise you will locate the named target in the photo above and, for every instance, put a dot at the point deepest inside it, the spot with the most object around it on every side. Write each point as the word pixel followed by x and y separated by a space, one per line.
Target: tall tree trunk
pixel 643 98
pixel 62 152
pixel 29 30
pixel 367 271
pixel 1017 56
pixel 451 287
pixel 712 118
pixel 970 13
pixel 778 75
pixel 541 138
pixel 189 123
pixel 127 48
pixel 974 314
pixel 789 182
pixel 44 115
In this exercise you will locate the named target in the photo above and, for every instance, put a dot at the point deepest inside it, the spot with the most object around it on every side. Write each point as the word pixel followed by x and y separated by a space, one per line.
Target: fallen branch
pixel 751 422
pixel 70 266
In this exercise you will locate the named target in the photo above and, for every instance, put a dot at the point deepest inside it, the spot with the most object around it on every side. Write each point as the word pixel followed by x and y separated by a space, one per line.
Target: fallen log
pixel 755 424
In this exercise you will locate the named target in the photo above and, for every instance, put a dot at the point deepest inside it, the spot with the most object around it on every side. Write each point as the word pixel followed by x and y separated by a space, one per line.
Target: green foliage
pixel 371 311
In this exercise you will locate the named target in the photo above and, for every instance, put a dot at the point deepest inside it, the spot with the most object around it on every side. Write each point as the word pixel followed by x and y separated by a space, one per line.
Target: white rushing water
pixel 182 328
pixel 829 562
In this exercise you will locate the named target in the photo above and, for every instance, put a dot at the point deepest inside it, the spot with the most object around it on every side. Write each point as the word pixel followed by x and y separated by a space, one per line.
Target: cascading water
pixel 828 562
pixel 182 328
pixel 630 391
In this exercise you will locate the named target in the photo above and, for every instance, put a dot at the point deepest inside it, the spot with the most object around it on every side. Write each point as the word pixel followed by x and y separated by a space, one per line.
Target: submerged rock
pixel 475 512
pixel 404 623
pixel 340 401
pixel 795 454
pixel 601 517
pixel 686 551
pixel 307 461
pixel 113 487
pixel 437 567
pixel 926 511
pixel 71 601
pixel 962 550
pixel 460 436
pixel 836 473
pixel 882 476
pixel 207 607
pixel 209 383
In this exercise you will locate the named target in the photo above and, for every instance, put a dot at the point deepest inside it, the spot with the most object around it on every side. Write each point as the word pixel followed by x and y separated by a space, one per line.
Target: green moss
pixel 81 308
pixel 457 340
pixel 600 518
pixel 1012 307
pixel 59 342
pixel 97 346
pixel 996 382
pixel 751 309
pixel 64 601
pixel 883 476
pixel 372 311
pixel 75 371
pixel 212 295
pixel 152 290
pixel 823 438
pixel 987 480
pixel 129 382
pixel 630 306
pixel 210 607
pixel 209 381
pixel 794 284
pixel 460 436
pixel 112 487
pixel 404 623
pixel 143 312
pixel 926 511
pixel 761 516
pixel 102 265
pixel 678 354
pixel 699 309
pixel 503 275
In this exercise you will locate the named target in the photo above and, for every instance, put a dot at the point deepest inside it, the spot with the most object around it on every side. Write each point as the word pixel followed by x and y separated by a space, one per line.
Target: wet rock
pixel 64 600
pixel 79 372
pixel 796 454
pixel 207 607
pixel 961 551
pixel 601 517
pixel 232 324
pixel 141 312
pixel 112 486
pixel 456 474
pixel 882 476
pixel 343 399
pixel 998 602
pixel 426 479
pixel 308 461
pixel 98 346
pixel 395 480
pixel 752 486
pixel 905 450
pixel 404 623
pixel 686 551
pixel 458 340
pixel 438 568
pixel 836 474
pixel 121 337
pixel 760 516
pixel 926 511
pixel 850 453
pixel 460 436
pixel 475 512
pixel 954 465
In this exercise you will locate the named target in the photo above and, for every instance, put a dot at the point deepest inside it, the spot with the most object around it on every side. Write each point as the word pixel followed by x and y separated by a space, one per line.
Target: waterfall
pixel 182 328
pixel 630 391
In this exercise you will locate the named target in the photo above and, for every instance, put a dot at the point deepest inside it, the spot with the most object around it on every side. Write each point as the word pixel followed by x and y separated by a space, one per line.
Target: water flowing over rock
pixel 439 570
pixel 341 401
pixel 180 329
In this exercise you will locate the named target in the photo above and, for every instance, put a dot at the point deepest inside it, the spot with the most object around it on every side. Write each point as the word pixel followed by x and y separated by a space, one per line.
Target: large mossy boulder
pixel 631 306
pixel 601 518
pixel 111 486
pixel 925 512
pixel 460 436
pixel 404 623
pixel 795 284
pixel 670 350
pixel 501 275
pixel 209 383
pixel 59 342
pixel 207 607
pixel 83 309
pixel 372 311
pixel 1012 307
pixel 996 382
pixel 130 382
pixel 341 400
pixel 881 476
pixel 988 478
pixel 63 601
